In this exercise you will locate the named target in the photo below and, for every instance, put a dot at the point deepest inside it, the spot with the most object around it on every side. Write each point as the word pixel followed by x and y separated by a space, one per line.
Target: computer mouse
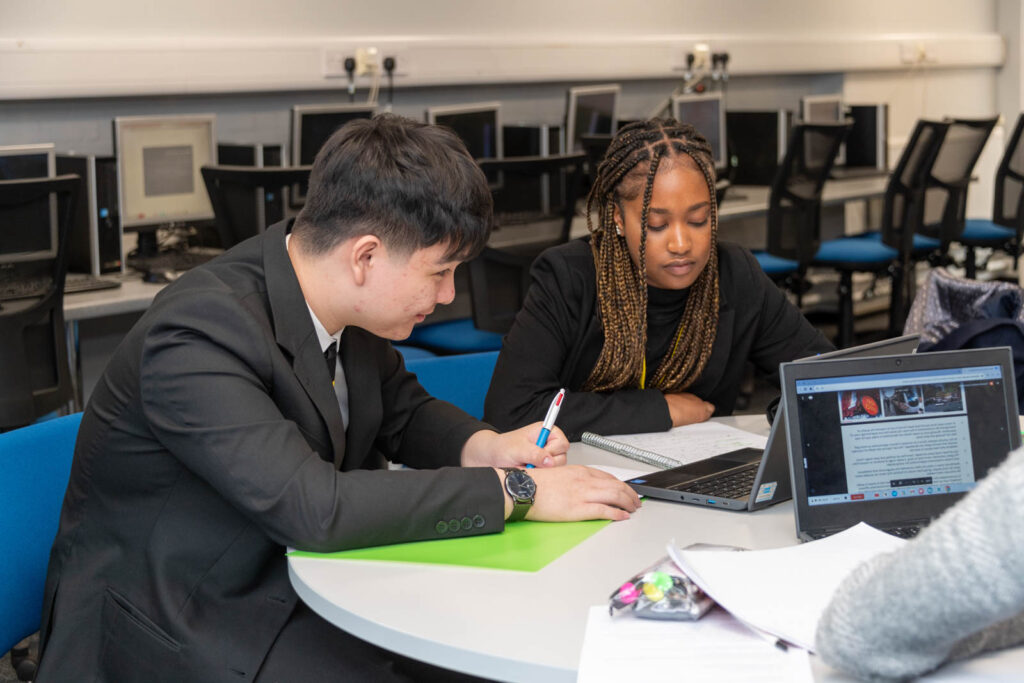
pixel 160 276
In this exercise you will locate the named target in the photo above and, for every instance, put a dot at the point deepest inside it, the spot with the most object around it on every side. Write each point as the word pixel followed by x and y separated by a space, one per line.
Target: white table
pixel 520 626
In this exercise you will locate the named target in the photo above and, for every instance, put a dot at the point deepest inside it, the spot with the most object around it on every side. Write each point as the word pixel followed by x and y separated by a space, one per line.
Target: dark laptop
pixel 895 440
pixel 748 479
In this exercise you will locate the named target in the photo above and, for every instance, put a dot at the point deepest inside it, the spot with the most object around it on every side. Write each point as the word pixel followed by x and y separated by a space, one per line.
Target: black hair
pixel 411 184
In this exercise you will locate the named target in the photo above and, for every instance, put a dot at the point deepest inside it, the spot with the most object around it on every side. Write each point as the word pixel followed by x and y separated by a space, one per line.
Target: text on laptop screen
pixel 898 434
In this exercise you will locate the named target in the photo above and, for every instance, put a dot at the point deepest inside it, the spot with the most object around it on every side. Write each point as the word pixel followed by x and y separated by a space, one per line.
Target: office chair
pixel 461 380
pixel 794 204
pixel 34 360
pixel 1004 231
pixel 945 197
pixel 891 250
pixel 36 462
pixel 535 202
pixel 241 196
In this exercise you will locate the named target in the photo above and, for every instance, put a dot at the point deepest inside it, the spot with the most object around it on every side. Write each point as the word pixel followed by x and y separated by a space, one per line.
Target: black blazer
pixel 213 441
pixel 557 338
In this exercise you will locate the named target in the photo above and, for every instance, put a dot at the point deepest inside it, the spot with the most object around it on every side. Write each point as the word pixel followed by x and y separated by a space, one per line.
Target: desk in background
pixel 530 626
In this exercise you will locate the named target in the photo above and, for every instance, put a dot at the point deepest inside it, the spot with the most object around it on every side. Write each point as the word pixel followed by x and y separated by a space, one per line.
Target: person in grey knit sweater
pixel 953 592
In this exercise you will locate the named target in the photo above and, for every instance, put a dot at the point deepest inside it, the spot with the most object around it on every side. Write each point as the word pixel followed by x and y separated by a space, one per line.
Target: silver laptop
pixel 894 440
pixel 749 478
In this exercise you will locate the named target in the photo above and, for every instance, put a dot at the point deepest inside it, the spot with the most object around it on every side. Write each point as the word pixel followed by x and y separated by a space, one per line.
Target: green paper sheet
pixel 523 546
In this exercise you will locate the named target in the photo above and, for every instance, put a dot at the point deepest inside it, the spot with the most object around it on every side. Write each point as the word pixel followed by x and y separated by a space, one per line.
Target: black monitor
pixel 757 144
pixel 21 239
pixel 158 172
pixel 590 110
pixel 706 113
pixel 479 126
pixel 312 124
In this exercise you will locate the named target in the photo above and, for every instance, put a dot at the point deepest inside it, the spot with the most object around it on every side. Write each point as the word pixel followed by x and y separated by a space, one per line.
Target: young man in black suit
pixel 218 435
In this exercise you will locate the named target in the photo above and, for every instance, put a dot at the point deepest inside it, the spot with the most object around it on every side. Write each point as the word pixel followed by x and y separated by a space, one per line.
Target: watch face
pixel 519 484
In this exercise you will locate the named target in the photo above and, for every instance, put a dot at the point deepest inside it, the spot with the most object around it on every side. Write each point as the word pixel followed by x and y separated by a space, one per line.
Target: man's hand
pixel 574 493
pixel 515 449
pixel 686 409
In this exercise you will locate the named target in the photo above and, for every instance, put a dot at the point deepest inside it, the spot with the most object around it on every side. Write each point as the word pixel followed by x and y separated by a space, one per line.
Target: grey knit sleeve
pixel 954 591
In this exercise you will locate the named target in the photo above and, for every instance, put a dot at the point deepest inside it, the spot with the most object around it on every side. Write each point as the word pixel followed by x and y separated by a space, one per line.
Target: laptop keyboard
pixel 734 485
pixel 38 286
pixel 908 531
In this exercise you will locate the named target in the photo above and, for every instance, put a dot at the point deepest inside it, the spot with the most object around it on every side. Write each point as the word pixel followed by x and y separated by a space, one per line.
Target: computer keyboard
pixel 734 485
pixel 172 260
pixel 74 283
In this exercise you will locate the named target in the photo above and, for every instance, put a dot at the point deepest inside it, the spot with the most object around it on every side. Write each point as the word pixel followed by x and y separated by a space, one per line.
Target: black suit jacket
pixel 557 338
pixel 212 442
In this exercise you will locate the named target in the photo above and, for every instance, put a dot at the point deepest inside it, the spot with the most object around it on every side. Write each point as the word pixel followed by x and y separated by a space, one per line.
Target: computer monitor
pixel 592 110
pixel 158 171
pixel 825 109
pixel 479 126
pixel 312 124
pixel 706 113
pixel 20 239
pixel 757 144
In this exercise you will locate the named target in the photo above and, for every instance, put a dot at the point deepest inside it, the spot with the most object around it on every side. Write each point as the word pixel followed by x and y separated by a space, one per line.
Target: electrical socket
pixel 701 57
pixel 367 61
pixel 334 63
pixel 914 53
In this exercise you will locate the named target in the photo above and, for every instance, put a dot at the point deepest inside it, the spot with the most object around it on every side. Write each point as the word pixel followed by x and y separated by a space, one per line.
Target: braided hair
pixel 634 156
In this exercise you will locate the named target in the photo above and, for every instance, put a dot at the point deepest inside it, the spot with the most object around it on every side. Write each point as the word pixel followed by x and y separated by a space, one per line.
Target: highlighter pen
pixel 549 419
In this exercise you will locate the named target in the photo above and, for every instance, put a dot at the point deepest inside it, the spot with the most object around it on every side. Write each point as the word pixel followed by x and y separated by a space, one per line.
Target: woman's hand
pixel 687 409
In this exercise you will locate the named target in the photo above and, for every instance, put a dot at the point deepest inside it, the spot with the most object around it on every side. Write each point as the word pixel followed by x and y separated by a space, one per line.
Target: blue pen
pixel 549 419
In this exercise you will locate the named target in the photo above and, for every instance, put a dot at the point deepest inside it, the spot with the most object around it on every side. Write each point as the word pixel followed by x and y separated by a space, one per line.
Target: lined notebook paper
pixel 678 446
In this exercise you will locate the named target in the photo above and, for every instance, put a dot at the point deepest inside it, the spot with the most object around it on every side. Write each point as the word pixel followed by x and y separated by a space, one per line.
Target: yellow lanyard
pixel 675 347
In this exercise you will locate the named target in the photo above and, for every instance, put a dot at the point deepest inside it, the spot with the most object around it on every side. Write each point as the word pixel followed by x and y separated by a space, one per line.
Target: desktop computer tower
pixel 94 239
pixel 867 145
pixel 756 143
pixel 271 207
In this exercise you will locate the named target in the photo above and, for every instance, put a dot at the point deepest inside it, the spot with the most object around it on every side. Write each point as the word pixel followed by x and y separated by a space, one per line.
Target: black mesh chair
pixel 246 200
pixel 535 202
pixel 1005 229
pixel 34 361
pixel 889 251
pixel 794 204
pixel 945 196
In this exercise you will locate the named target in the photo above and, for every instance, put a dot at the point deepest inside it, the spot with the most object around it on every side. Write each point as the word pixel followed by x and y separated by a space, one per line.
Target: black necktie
pixel 331 356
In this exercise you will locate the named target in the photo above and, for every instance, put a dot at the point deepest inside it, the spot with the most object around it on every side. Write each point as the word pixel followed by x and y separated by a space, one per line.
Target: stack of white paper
pixel 783 591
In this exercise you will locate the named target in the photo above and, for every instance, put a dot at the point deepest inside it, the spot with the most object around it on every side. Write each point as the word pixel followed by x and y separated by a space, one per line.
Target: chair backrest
pixel 461 380
pixel 36 464
pixel 903 207
pixel 1008 208
pixel 34 366
pixel 794 205
pixel 535 202
pixel 240 195
pixel 945 195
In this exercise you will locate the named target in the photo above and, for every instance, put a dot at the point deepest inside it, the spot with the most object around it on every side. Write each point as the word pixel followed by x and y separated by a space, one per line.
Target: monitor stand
pixel 148 245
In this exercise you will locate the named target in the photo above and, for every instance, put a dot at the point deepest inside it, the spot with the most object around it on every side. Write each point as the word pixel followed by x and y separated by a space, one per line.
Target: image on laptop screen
pixel 871 434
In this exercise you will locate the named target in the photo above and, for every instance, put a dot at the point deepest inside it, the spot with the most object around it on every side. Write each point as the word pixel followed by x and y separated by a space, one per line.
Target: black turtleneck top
pixel 557 338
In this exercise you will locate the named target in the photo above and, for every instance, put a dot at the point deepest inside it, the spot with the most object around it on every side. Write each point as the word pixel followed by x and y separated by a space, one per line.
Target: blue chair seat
pixel 982 230
pixel 922 244
pixel 854 250
pixel 455 336
pixel 413 352
pixel 775 265
pixel 462 380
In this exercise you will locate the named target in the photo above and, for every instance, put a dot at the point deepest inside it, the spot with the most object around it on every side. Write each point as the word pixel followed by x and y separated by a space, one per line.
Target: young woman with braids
pixel 649 321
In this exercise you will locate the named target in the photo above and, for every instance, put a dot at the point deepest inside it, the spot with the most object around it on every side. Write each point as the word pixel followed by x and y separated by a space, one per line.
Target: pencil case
pixel 661 591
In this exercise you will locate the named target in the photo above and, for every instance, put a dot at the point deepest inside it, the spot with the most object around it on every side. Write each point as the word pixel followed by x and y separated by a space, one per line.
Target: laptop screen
pixel 898 433
pixel 903 436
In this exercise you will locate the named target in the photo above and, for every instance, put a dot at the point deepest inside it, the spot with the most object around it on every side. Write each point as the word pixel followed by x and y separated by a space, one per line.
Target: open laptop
pixel 749 478
pixel 895 440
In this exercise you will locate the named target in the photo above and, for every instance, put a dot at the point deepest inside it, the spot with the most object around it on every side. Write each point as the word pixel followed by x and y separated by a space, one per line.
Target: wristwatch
pixel 522 488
